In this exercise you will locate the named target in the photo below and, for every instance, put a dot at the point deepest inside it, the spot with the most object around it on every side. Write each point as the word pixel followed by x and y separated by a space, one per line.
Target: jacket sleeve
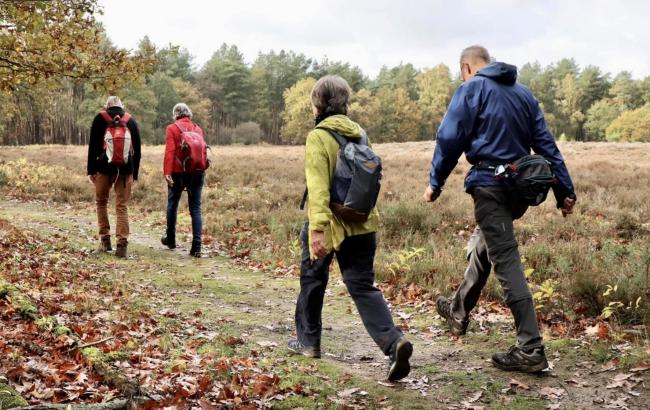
pixel 544 145
pixel 317 174
pixel 454 133
pixel 170 151
pixel 137 153
pixel 95 144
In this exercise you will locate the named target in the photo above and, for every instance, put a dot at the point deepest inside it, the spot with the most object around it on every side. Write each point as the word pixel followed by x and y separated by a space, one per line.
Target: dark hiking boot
pixel 168 242
pixel 400 354
pixel 120 252
pixel 105 244
pixel 296 347
pixel 456 327
pixel 196 249
pixel 516 359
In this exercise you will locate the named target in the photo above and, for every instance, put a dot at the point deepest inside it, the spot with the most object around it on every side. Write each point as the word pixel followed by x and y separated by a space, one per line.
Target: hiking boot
pixel 400 354
pixel 105 244
pixel 456 327
pixel 120 252
pixel 168 242
pixel 196 249
pixel 516 359
pixel 296 347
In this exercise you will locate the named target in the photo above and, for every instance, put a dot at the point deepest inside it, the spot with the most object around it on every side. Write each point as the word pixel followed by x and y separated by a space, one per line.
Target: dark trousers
pixel 194 185
pixel 493 243
pixel 356 259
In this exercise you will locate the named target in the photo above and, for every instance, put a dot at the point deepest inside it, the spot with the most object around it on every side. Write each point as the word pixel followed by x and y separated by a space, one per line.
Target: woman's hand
pixel 318 247
pixel 170 181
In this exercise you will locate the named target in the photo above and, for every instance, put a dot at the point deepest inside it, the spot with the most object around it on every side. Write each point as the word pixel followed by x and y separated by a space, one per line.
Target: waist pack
pixel 117 139
pixel 530 177
pixel 357 180
pixel 193 155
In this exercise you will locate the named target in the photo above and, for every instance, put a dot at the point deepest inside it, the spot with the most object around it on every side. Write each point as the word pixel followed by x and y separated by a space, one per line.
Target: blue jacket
pixel 493 118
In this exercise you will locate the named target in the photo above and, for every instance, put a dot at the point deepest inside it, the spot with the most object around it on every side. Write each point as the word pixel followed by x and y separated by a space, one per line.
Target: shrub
pixel 246 133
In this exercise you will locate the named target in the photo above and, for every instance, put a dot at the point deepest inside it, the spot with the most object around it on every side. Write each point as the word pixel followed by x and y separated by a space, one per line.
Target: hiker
pixel 497 122
pixel 184 169
pixel 113 161
pixel 342 231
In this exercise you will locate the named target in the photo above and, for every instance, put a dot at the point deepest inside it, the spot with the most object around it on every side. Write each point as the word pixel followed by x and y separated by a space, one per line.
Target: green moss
pixel 116 355
pixel 62 330
pixel 93 354
pixel 46 322
pixel 21 302
pixel 9 398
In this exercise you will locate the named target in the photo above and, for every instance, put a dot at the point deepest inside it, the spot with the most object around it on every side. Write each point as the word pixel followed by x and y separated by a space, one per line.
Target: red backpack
pixel 194 152
pixel 117 140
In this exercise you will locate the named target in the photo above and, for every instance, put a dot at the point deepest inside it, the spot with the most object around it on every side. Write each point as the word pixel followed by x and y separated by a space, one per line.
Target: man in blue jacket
pixel 495 120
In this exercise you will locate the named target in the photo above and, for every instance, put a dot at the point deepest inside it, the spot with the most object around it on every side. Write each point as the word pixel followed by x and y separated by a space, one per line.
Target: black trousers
pixel 493 243
pixel 356 259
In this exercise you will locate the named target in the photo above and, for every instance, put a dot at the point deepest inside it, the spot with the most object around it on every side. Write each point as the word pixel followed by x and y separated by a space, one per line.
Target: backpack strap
pixel 182 130
pixel 304 200
pixel 344 140
pixel 109 120
pixel 106 116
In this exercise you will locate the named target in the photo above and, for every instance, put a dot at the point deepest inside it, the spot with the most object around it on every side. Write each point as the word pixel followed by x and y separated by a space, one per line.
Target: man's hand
pixel 567 209
pixel 318 244
pixel 92 178
pixel 431 194
pixel 170 181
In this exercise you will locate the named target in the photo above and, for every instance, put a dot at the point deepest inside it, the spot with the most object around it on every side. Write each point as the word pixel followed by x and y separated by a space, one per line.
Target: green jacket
pixel 320 162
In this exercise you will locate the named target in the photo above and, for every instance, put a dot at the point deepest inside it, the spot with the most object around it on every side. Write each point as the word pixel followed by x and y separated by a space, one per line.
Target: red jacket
pixel 173 144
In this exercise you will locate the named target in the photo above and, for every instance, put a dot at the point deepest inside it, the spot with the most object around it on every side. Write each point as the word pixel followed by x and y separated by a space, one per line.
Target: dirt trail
pixel 448 372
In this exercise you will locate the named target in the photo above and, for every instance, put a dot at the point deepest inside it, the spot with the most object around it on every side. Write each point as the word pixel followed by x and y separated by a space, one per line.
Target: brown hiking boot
pixel 519 360
pixel 456 327
pixel 105 244
pixel 120 252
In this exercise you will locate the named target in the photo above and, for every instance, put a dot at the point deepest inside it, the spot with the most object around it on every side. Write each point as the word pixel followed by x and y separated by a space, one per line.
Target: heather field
pixel 211 332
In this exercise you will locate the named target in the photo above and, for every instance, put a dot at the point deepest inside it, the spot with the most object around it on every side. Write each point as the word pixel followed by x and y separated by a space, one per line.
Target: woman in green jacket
pixel 325 234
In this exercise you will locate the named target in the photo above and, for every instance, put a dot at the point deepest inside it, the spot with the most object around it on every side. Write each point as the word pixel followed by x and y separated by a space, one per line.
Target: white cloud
pixel 370 34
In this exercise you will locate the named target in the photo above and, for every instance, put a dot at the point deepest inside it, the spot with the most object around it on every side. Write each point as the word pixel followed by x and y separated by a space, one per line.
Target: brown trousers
pixel 122 185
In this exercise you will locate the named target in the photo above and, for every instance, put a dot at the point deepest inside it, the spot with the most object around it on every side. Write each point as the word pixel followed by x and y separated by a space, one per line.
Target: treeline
pixel 268 100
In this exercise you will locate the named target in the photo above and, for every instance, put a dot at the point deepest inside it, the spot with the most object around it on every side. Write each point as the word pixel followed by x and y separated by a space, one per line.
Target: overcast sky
pixel 370 33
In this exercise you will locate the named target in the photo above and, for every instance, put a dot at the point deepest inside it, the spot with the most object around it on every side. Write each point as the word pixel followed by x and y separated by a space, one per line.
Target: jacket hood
pixel 500 72
pixel 342 125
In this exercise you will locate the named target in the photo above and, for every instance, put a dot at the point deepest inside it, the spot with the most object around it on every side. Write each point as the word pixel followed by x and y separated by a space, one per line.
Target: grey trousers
pixel 356 257
pixel 493 243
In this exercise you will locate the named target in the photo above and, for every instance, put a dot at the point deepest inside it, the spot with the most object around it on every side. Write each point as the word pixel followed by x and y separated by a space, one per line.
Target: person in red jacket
pixel 177 180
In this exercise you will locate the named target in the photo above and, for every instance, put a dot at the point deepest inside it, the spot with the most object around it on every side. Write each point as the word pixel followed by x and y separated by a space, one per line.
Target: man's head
pixel 181 110
pixel 113 101
pixel 330 95
pixel 472 59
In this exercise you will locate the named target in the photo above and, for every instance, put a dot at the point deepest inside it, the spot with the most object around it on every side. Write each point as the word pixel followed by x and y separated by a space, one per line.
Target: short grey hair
pixel 181 110
pixel 474 53
pixel 331 94
pixel 113 101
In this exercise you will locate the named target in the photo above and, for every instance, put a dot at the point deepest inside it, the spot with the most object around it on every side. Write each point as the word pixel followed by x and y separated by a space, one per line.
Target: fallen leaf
pixel 643 367
pixel 266 343
pixel 517 383
pixel 348 392
pixel 474 398
pixel 552 392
